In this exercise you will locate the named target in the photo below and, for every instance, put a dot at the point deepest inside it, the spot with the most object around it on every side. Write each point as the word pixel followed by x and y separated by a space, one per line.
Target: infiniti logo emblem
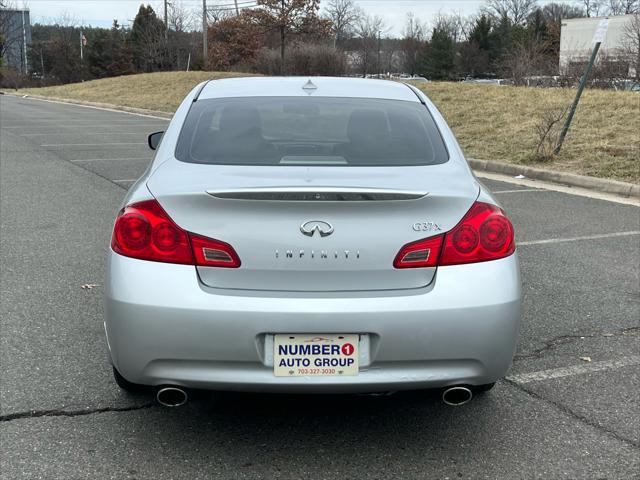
pixel 312 226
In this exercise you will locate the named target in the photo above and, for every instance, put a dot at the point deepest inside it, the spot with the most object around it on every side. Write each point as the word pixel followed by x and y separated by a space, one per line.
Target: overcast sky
pixel 101 13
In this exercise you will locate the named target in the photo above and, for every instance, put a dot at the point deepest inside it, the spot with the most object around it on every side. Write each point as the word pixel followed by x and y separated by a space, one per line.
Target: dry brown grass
pixel 161 91
pixel 490 122
pixel 499 123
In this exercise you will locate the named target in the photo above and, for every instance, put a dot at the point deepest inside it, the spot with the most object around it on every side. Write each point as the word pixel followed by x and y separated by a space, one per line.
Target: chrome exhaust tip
pixel 456 396
pixel 171 396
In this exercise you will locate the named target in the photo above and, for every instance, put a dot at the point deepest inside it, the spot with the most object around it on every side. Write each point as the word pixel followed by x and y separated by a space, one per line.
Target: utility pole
pixel 379 47
pixel 42 63
pixel 205 59
pixel 282 37
pixel 237 9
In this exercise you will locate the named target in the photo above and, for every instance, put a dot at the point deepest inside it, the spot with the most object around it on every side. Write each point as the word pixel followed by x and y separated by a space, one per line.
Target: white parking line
pixel 109 159
pixel 125 180
pixel 57 124
pixel 88 144
pixel 574 370
pixel 96 107
pixel 575 239
pixel 67 133
pixel 582 192
pixel 521 190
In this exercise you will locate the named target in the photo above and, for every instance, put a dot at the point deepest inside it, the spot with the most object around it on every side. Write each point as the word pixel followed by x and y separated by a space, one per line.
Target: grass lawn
pixel 491 122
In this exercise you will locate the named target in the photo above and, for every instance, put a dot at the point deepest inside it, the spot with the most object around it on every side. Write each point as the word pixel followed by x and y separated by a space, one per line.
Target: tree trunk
pixel 282 38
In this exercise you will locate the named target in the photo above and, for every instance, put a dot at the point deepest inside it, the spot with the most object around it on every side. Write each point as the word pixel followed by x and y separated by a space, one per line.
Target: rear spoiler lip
pixel 326 194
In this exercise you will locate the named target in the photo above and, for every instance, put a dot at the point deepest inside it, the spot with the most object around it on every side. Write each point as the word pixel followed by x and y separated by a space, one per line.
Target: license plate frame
pixel 315 355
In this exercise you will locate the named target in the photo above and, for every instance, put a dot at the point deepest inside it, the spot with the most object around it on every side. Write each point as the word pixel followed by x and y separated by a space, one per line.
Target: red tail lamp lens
pixel 484 233
pixel 145 231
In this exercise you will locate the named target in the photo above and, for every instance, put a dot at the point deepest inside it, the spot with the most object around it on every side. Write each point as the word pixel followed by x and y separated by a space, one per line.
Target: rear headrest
pixel 367 124
pixel 237 120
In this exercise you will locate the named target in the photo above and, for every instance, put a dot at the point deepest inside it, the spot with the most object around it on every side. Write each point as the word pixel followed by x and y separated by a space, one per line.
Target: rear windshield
pixel 310 131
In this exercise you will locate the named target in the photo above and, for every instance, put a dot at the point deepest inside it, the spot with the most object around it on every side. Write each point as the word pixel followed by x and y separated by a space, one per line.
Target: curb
pixel 571 179
pixel 603 185
pixel 104 106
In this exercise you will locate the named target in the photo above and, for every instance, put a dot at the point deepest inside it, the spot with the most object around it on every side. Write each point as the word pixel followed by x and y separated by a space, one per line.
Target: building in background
pixel 576 43
pixel 15 38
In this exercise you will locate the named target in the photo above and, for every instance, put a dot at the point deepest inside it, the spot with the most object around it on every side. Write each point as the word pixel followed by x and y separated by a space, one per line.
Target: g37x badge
pixel 426 227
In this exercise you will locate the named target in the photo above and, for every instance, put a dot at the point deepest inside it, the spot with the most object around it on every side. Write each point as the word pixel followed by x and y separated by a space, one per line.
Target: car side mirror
pixel 154 140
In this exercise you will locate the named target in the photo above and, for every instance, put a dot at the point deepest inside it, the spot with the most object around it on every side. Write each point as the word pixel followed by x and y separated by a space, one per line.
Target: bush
pixel 302 59
pixel 12 78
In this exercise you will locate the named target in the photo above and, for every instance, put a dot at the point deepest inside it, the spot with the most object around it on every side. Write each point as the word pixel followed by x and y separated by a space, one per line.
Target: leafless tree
pixel 180 18
pixel 369 30
pixel 621 7
pixel 556 12
pixel 414 34
pixel 631 44
pixel 525 59
pixel 456 24
pixel 517 11
pixel 344 14
pixel 548 131
pixel 592 8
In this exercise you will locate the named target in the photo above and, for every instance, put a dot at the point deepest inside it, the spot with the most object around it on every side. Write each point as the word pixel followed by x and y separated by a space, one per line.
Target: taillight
pixel 423 253
pixel 213 253
pixel 144 231
pixel 484 233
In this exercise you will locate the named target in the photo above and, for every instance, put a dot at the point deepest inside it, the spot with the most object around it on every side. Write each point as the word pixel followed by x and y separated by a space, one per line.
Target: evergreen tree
pixel 147 41
pixel 439 55
pixel 107 55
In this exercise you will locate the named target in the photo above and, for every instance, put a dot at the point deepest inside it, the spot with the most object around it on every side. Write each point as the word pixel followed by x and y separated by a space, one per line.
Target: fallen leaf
pixel 585 359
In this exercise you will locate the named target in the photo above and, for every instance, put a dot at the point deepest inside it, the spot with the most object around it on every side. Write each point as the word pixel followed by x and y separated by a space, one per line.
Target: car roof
pixel 308 86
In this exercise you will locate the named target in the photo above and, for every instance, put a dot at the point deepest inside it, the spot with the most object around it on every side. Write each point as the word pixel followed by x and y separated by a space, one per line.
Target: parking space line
pixel 57 124
pixel 574 370
pixel 520 190
pixel 125 180
pixel 109 159
pixel 576 239
pixel 67 133
pixel 88 144
pixel 581 192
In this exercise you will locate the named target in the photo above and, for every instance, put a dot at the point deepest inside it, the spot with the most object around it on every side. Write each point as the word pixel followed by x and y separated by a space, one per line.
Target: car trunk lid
pixel 315 229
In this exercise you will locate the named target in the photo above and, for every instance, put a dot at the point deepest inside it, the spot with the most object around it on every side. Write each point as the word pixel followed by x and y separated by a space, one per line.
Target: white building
pixel 576 39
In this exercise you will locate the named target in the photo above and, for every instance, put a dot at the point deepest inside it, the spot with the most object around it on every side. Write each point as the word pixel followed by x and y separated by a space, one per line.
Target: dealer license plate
pixel 315 355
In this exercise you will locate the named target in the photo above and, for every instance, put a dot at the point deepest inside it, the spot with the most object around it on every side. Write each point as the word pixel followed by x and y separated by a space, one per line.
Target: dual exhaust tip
pixel 456 396
pixel 176 396
pixel 171 396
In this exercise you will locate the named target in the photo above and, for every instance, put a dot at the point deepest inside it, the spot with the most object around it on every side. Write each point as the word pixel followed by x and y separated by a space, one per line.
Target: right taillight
pixel 145 231
pixel 484 233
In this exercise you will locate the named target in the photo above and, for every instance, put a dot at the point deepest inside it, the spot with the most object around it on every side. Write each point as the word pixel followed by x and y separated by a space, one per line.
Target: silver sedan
pixel 310 235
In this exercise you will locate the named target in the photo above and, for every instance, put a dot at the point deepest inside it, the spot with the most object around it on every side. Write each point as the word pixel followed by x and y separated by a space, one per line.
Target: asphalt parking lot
pixel 568 409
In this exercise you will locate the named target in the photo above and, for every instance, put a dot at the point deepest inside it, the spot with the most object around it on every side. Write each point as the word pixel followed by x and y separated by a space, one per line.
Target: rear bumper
pixel 164 327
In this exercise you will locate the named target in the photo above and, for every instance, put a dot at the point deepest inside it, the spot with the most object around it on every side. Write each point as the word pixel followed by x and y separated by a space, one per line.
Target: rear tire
pixel 125 384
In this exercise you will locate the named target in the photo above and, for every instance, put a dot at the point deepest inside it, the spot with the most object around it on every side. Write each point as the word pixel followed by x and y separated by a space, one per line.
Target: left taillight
pixel 145 231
